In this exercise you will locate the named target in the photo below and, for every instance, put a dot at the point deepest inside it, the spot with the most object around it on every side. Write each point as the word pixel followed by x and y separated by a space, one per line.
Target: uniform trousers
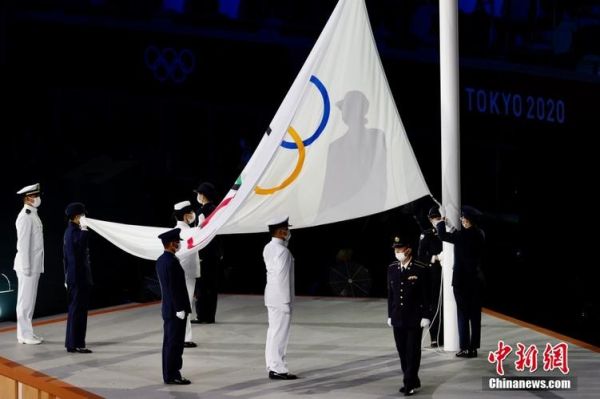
pixel 278 335
pixel 79 299
pixel 26 296
pixel 468 311
pixel 190 284
pixel 408 344
pixel 206 304
pixel 172 350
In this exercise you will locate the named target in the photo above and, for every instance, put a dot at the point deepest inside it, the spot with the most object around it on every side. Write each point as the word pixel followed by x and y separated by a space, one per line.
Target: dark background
pixel 84 115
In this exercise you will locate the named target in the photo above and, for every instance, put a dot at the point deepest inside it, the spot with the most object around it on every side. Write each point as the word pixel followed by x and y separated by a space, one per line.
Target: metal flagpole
pixel 449 75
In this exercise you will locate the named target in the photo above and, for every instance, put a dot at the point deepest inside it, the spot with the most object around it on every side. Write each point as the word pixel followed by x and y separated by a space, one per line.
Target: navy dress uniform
pixel 279 297
pixel 175 307
pixel 409 311
pixel 430 246
pixel 467 281
pixel 78 278
pixel 210 257
pixel 184 215
pixel 29 262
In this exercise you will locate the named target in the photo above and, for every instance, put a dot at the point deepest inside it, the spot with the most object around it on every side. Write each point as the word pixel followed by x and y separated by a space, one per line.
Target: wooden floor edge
pixel 542 330
pixel 43 382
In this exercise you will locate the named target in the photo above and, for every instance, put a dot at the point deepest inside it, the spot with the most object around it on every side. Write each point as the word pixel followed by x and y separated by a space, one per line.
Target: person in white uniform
pixel 185 216
pixel 279 297
pixel 29 262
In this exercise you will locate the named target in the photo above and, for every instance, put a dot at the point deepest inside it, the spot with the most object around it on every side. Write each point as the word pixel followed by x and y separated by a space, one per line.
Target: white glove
pixel 83 223
pixel 389 322
pixel 66 286
pixel 180 314
pixel 425 323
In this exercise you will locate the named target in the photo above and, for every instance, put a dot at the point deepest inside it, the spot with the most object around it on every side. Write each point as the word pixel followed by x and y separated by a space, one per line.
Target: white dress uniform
pixel 279 299
pixel 191 268
pixel 29 264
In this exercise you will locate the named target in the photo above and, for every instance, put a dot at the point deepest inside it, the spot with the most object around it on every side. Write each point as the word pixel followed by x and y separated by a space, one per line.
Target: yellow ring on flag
pixel 301 155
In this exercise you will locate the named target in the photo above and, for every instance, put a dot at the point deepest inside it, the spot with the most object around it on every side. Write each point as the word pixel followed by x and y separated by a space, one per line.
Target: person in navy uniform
pixel 175 307
pixel 210 257
pixel 467 278
pixel 279 297
pixel 408 311
pixel 185 216
pixel 29 262
pixel 78 277
pixel 430 246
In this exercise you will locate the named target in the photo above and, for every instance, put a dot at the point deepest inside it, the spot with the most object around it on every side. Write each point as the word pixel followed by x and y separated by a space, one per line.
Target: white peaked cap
pixel 281 219
pixel 180 205
pixel 33 189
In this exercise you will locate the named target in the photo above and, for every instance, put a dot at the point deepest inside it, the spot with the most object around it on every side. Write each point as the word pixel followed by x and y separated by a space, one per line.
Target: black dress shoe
pixel 281 376
pixel 403 389
pixel 79 350
pixel 410 392
pixel 473 353
pixel 189 344
pixel 434 344
pixel 463 353
pixel 195 321
pixel 179 381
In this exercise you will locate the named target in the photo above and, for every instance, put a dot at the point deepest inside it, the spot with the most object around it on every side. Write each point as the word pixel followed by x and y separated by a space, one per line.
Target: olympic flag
pixel 335 150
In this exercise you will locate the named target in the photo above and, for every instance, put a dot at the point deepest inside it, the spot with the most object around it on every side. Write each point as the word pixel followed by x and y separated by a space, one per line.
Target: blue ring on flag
pixel 326 110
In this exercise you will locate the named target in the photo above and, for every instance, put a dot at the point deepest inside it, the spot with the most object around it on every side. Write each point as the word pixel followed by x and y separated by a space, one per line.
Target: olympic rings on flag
pixel 299 143
pixel 170 64
pixel 295 172
pixel 324 119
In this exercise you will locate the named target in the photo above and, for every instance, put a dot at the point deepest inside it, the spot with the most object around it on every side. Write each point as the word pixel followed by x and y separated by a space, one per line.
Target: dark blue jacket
pixel 469 246
pixel 408 294
pixel 172 285
pixel 76 257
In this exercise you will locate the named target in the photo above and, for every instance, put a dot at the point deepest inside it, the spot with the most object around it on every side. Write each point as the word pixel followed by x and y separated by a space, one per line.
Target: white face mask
pixel 191 218
pixel 400 256
pixel 288 236
pixel 36 202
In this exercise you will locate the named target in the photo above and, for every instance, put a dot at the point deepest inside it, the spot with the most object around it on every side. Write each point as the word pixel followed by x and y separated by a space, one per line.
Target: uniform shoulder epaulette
pixel 418 263
pixel 27 211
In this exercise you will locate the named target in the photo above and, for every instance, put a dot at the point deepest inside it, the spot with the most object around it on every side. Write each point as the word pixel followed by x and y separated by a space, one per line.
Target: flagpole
pixel 449 75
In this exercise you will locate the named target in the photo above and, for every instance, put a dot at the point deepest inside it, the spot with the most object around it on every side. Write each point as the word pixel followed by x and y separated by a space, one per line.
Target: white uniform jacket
pixel 280 273
pixel 191 262
pixel 30 242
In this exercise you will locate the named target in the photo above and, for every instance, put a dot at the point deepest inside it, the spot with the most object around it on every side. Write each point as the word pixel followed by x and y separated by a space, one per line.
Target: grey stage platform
pixel 341 348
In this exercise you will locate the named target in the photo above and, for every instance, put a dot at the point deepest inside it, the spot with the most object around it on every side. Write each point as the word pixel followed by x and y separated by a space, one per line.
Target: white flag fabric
pixel 335 150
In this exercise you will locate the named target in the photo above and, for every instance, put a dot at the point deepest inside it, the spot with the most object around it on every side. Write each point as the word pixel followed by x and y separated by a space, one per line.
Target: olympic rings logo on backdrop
pixel 300 144
pixel 170 64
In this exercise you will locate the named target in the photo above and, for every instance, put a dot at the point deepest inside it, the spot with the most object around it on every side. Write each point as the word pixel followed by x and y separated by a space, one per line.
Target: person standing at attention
pixel 78 277
pixel 279 297
pixel 185 216
pixel 175 307
pixel 29 262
